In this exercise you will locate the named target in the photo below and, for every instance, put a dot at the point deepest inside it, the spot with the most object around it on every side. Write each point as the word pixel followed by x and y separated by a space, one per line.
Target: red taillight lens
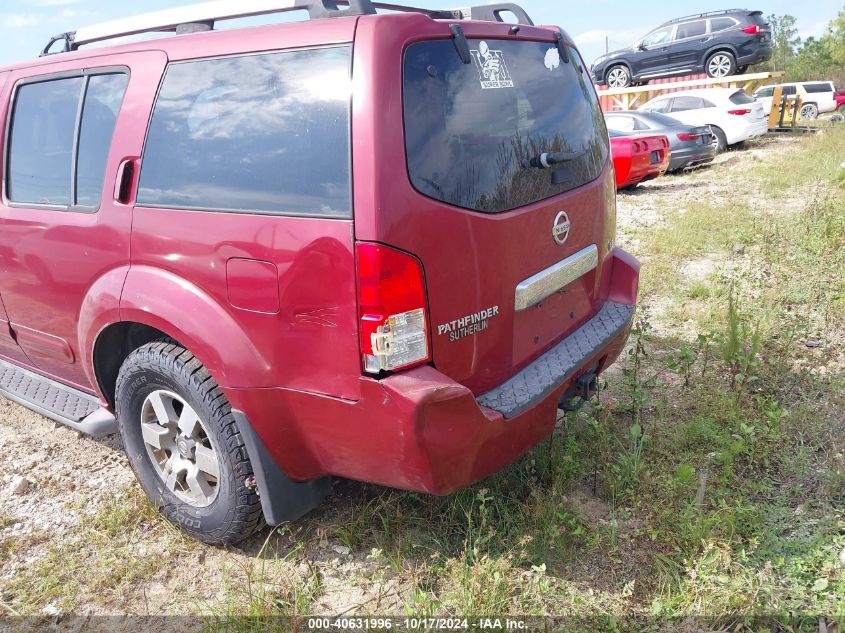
pixel 752 29
pixel 686 136
pixel 739 112
pixel 392 309
pixel 637 147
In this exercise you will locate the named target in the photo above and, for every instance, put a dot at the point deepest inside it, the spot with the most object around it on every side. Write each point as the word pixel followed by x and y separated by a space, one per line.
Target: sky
pixel 27 25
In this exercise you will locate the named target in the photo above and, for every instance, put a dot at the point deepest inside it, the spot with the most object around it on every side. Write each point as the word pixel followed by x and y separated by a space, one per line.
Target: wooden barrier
pixel 786 110
pixel 614 99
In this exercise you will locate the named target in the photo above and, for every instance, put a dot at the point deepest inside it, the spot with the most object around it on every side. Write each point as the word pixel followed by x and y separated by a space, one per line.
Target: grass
pixel 115 547
pixel 707 481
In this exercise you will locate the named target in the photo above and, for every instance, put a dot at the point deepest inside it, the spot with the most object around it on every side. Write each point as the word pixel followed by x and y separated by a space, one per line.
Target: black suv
pixel 720 43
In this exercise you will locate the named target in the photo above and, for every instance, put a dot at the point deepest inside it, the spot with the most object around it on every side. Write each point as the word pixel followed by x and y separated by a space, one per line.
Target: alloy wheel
pixel 809 111
pixel 179 448
pixel 618 77
pixel 719 65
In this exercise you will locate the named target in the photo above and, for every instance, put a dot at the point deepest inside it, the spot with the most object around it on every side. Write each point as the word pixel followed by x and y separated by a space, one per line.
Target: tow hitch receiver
pixel 580 391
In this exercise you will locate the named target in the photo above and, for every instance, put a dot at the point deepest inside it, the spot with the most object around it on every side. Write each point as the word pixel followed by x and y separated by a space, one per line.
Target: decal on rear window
pixel 491 67
pixel 552 60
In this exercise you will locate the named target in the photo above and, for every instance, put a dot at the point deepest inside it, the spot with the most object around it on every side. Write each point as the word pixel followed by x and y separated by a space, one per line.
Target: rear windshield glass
pixel 741 98
pixel 471 128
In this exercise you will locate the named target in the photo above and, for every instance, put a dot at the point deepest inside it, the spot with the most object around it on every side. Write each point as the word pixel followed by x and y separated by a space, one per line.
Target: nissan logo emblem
pixel 560 229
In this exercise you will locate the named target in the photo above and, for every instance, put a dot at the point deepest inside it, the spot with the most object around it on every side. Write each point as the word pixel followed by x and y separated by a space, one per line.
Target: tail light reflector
pixel 686 136
pixel 752 29
pixel 392 308
pixel 739 112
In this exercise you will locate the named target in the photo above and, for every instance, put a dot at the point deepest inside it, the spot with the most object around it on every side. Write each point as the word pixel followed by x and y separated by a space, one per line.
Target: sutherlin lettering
pixel 468 325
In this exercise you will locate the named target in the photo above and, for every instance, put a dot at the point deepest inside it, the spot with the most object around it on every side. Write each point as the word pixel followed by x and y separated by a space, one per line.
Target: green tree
pixel 785 41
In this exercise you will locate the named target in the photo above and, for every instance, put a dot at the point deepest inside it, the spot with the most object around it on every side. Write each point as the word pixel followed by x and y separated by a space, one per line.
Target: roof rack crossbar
pixel 191 17
pixel 705 15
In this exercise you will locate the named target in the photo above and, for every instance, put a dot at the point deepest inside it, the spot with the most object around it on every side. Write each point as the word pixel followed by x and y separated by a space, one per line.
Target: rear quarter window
pixel 721 24
pixel 469 128
pixel 266 133
pixel 816 88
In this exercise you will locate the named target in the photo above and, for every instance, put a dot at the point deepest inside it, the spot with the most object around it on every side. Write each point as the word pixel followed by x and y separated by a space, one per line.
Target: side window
pixel 691 29
pixel 99 116
pixel 763 93
pixel 660 36
pixel 265 133
pixel 47 124
pixel 659 106
pixel 41 142
pixel 721 24
pixel 686 103
pixel 789 90
pixel 815 88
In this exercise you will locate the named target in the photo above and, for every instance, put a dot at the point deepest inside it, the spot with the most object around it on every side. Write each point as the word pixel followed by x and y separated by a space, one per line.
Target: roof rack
pixel 705 15
pixel 202 16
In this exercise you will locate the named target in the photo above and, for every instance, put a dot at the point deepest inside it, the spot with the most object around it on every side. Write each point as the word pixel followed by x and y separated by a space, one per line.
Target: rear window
pixel 818 87
pixel 741 98
pixel 470 127
pixel 262 133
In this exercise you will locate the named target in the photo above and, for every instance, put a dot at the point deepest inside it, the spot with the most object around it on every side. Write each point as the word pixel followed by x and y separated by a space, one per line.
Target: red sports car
pixel 840 100
pixel 638 158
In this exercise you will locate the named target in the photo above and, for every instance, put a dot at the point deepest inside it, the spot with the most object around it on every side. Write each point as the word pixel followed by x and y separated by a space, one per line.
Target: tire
pixel 809 111
pixel 720 64
pixel 618 76
pixel 720 141
pixel 199 477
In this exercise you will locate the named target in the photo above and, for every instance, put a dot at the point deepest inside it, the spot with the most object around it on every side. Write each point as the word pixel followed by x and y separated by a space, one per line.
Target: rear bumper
pixel 758 56
pixel 691 155
pixel 420 430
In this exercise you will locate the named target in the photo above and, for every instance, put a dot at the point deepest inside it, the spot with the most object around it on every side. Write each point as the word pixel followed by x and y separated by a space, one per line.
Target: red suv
pixel 375 246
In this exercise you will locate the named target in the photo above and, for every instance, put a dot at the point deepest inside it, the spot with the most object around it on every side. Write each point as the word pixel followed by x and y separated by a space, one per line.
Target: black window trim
pixel 281 214
pixel 86 73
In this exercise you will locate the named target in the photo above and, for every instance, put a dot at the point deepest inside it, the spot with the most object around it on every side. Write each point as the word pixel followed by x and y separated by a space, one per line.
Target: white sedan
pixel 731 114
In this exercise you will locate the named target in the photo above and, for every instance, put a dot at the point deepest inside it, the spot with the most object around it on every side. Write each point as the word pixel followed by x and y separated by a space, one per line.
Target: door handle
pixel 124 182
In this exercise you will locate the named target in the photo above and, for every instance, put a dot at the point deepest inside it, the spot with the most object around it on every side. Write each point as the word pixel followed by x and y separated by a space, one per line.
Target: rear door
pixel 685 49
pixel 447 172
pixel 70 124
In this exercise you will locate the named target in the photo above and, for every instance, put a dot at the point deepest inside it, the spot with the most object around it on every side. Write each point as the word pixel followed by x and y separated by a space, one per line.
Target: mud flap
pixel 282 498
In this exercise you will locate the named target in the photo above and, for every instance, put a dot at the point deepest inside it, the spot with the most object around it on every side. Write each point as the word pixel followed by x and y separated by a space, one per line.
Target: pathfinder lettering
pixel 468 325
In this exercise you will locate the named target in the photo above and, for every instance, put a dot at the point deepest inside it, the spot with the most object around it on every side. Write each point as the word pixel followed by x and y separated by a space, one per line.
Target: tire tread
pixel 180 364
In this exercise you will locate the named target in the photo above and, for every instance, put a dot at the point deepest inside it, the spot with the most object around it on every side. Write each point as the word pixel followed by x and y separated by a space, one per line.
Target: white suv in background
pixel 731 114
pixel 817 96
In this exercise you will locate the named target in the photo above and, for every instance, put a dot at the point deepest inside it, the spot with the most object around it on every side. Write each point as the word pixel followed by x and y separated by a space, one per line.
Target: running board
pixel 76 409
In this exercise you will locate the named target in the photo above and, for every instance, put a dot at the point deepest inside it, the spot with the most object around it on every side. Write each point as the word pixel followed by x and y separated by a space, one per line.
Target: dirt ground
pixel 51 479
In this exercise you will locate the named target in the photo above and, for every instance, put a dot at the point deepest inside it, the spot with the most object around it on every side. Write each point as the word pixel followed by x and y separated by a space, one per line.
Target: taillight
pixel 739 112
pixel 686 136
pixel 637 147
pixel 392 309
pixel 752 29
